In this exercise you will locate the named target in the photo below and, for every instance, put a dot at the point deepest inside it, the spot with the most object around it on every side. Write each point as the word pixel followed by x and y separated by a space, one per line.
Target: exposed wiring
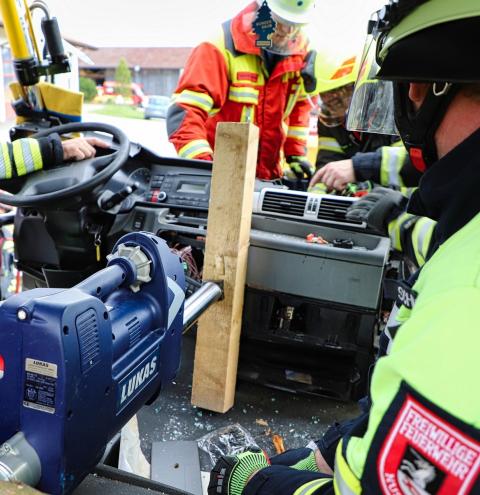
pixel 185 254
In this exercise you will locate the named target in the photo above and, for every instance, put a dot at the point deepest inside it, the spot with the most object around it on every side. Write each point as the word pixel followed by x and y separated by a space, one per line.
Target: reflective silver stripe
pixel 340 484
pixel 292 100
pixel 3 167
pixel 243 94
pixel 329 143
pixel 391 328
pixel 424 230
pixel 28 157
pixel 311 486
pixel 195 148
pixel 247 114
pixel 393 177
pixel 204 102
pixel 301 134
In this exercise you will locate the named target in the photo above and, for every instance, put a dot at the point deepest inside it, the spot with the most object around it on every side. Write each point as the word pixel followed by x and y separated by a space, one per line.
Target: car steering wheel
pixel 71 178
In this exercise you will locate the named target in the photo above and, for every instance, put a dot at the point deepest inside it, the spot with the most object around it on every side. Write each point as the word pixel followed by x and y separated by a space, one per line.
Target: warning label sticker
pixel 424 453
pixel 40 385
pixel 2 367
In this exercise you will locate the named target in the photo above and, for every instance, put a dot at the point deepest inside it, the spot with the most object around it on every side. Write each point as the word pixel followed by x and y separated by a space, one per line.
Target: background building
pixel 155 69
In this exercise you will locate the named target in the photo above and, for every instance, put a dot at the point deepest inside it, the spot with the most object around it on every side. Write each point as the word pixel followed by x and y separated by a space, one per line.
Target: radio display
pixel 186 187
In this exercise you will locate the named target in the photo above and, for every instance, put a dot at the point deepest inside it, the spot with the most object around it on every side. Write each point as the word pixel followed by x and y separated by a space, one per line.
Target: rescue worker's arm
pixel 202 90
pixel 383 211
pixel 388 166
pixel 27 155
pixel 412 235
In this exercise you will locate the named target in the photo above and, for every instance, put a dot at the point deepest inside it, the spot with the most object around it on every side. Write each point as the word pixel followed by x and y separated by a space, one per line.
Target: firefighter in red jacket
pixel 231 79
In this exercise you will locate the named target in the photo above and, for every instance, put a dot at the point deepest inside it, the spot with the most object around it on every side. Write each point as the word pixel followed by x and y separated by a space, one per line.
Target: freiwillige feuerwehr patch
pixel 425 453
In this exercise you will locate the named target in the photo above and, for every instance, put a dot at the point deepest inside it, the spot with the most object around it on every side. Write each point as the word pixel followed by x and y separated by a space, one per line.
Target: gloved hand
pixel 300 166
pixel 378 208
pixel 231 473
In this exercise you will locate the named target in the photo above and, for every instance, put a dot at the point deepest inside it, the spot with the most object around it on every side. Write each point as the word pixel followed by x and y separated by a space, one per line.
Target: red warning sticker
pixel 425 453
pixel 2 367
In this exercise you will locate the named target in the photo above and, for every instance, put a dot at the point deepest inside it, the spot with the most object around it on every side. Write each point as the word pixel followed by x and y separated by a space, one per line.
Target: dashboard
pixel 160 187
pixel 174 191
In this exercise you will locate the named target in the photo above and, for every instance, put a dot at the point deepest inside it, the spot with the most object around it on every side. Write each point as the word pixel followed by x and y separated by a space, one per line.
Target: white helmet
pixel 291 11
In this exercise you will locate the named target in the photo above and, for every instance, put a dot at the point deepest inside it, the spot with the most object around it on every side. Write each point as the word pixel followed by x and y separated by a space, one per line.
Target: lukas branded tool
pixel 76 364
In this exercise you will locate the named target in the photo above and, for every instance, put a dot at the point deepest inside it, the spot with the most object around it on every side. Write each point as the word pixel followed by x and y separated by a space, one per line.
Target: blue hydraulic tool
pixel 76 364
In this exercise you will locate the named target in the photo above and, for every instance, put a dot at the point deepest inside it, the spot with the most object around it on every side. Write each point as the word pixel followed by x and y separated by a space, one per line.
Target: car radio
pixel 179 189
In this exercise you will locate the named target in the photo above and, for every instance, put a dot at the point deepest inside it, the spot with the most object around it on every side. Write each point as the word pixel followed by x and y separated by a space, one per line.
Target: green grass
pixel 125 111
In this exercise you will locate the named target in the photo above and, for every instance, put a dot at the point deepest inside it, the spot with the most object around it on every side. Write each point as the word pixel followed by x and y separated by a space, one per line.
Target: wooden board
pixel 13 488
pixel 226 252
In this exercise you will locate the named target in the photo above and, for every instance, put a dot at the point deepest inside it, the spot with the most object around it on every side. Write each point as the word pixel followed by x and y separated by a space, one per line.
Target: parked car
pixel 157 106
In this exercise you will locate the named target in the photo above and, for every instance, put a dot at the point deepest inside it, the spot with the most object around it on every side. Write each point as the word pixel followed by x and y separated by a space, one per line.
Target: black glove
pixel 378 208
pixel 300 166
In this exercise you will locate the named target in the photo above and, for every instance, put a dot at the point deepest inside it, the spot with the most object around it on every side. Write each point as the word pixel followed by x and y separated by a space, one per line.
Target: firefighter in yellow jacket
pixel 420 433
pixel 346 156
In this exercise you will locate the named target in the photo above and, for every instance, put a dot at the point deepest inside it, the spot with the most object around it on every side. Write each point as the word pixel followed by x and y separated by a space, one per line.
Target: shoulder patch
pixel 427 451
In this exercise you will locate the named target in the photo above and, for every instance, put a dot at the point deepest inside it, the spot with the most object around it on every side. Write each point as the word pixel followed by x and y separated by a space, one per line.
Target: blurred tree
pixel 123 77
pixel 88 88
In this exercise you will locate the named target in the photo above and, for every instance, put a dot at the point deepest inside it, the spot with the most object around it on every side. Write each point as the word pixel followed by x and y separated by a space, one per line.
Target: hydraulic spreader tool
pixel 76 364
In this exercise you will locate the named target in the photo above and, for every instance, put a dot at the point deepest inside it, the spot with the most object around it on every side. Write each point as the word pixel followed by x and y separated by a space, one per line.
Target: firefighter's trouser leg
pixel 282 480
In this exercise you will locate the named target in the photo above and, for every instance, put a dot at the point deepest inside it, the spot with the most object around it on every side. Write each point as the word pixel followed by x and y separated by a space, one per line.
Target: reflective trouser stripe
pixel 421 237
pixel 5 162
pixel 393 159
pixel 298 132
pixel 27 156
pixel 312 486
pixel 194 148
pixel 329 144
pixel 344 481
pixel 194 99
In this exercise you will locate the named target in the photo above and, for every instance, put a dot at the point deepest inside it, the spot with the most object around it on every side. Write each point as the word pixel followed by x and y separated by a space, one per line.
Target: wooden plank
pixel 226 252
pixel 14 488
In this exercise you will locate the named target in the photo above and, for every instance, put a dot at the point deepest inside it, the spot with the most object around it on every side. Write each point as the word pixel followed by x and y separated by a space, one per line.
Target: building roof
pixel 145 58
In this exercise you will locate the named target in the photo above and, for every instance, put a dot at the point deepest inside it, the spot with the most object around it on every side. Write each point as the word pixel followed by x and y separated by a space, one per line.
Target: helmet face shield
pixel 334 105
pixel 372 106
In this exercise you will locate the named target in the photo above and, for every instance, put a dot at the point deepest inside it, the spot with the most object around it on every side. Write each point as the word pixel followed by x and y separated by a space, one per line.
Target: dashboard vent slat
pixel 331 209
pixel 284 203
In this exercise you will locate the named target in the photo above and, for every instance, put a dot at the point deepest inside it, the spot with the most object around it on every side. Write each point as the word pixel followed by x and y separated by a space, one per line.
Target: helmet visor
pixel 372 108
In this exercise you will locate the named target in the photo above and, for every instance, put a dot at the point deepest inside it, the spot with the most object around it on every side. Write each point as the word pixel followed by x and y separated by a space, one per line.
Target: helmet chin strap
pixel 417 128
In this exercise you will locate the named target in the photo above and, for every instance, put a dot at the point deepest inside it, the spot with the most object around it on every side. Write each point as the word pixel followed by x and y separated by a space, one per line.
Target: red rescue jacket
pixel 226 81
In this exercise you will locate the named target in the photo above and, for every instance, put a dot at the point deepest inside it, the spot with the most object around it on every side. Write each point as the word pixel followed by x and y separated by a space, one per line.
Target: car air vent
pixel 335 210
pixel 284 203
